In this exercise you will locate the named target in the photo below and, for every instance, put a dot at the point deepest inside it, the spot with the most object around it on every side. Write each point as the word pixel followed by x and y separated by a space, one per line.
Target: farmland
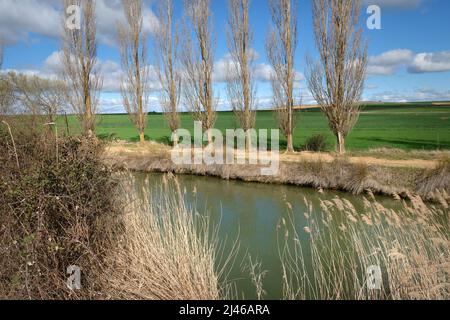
pixel 418 126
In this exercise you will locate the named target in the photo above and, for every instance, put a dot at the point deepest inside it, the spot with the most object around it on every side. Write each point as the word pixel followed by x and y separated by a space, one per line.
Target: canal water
pixel 251 213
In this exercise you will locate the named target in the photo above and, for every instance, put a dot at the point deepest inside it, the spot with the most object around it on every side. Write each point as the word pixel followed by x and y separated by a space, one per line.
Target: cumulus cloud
pixel 110 71
pixel 263 72
pixel 397 4
pixel 430 62
pixel 419 94
pixel 18 19
pixel 389 62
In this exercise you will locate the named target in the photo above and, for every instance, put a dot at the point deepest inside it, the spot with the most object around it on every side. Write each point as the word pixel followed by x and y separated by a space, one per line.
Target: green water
pixel 251 212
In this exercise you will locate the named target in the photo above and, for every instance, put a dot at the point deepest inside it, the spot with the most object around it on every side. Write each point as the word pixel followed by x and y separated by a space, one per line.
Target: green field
pixel 417 126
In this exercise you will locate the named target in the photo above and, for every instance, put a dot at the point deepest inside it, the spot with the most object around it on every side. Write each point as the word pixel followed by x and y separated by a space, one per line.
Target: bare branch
pixel 168 69
pixel 197 59
pixel 133 49
pixel 2 49
pixel 38 97
pixel 337 80
pixel 80 72
pixel 240 76
pixel 281 45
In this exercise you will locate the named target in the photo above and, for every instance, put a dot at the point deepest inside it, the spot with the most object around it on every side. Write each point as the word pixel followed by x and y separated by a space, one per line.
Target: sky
pixel 409 57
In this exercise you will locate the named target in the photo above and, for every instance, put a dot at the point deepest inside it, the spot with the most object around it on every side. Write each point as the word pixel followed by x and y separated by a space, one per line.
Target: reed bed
pixel 410 246
pixel 168 250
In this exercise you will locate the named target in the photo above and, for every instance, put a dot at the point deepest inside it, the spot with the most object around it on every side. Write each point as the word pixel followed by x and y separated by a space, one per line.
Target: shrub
pixel 57 209
pixel 61 207
pixel 316 143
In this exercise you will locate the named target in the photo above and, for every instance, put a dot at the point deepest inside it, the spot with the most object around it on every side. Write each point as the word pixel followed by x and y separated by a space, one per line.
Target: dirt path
pixel 153 149
pixel 327 157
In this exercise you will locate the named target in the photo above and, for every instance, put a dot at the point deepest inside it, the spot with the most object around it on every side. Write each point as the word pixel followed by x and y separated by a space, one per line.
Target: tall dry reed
pixel 411 246
pixel 168 250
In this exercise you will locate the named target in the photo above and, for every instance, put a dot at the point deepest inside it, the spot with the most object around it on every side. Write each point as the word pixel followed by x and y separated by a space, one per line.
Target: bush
pixel 61 207
pixel 56 210
pixel 316 143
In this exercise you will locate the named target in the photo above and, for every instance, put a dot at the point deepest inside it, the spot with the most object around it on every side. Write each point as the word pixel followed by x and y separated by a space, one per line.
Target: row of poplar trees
pixel 184 65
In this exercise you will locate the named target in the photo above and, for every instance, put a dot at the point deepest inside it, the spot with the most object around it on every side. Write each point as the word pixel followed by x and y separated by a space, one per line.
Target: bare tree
pixel 2 48
pixel 80 70
pixel 169 74
pixel 133 49
pixel 197 59
pixel 38 97
pixel 281 45
pixel 240 77
pixel 337 80
pixel 6 91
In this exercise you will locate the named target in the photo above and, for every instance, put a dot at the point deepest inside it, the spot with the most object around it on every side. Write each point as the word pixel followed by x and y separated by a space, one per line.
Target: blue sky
pixel 409 56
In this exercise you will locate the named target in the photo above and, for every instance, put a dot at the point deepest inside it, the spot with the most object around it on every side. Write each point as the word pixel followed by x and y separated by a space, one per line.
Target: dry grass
pixel 400 154
pixel 57 209
pixel 437 179
pixel 168 251
pixel 411 246
pixel 343 173
pixel 62 207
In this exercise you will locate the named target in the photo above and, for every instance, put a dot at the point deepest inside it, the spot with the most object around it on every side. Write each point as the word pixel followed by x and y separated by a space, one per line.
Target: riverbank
pixel 398 178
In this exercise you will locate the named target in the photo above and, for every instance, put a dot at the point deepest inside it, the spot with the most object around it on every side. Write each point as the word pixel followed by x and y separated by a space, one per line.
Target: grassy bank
pixel 418 126
pixel 321 171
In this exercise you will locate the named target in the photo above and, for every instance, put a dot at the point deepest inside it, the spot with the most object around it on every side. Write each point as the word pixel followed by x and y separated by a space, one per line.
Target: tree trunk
pixel 290 143
pixel 340 143
pixel 142 137
pixel 210 140
pixel 88 111
pixel 175 138
pixel 248 141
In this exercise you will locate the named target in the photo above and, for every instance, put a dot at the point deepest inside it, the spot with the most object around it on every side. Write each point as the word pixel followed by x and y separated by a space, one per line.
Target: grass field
pixel 418 126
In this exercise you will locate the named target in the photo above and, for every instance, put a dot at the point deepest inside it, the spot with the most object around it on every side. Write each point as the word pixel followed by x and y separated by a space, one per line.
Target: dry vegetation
pixel 53 214
pixel 410 245
pixel 133 53
pixel 168 251
pixel 167 43
pixel 197 60
pixel 80 66
pixel 337 80
pixel 281 45
pixel 61 207
pixel 320 171
pixel 240 74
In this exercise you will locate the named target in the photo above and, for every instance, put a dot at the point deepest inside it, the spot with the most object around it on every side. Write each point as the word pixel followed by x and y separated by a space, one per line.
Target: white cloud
pixel 263 72
pixel 389 62
pixel 111 72
pixel 110 13
pixel 398 4
pixel 20 18
pixel 430 62
pixel 419 94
